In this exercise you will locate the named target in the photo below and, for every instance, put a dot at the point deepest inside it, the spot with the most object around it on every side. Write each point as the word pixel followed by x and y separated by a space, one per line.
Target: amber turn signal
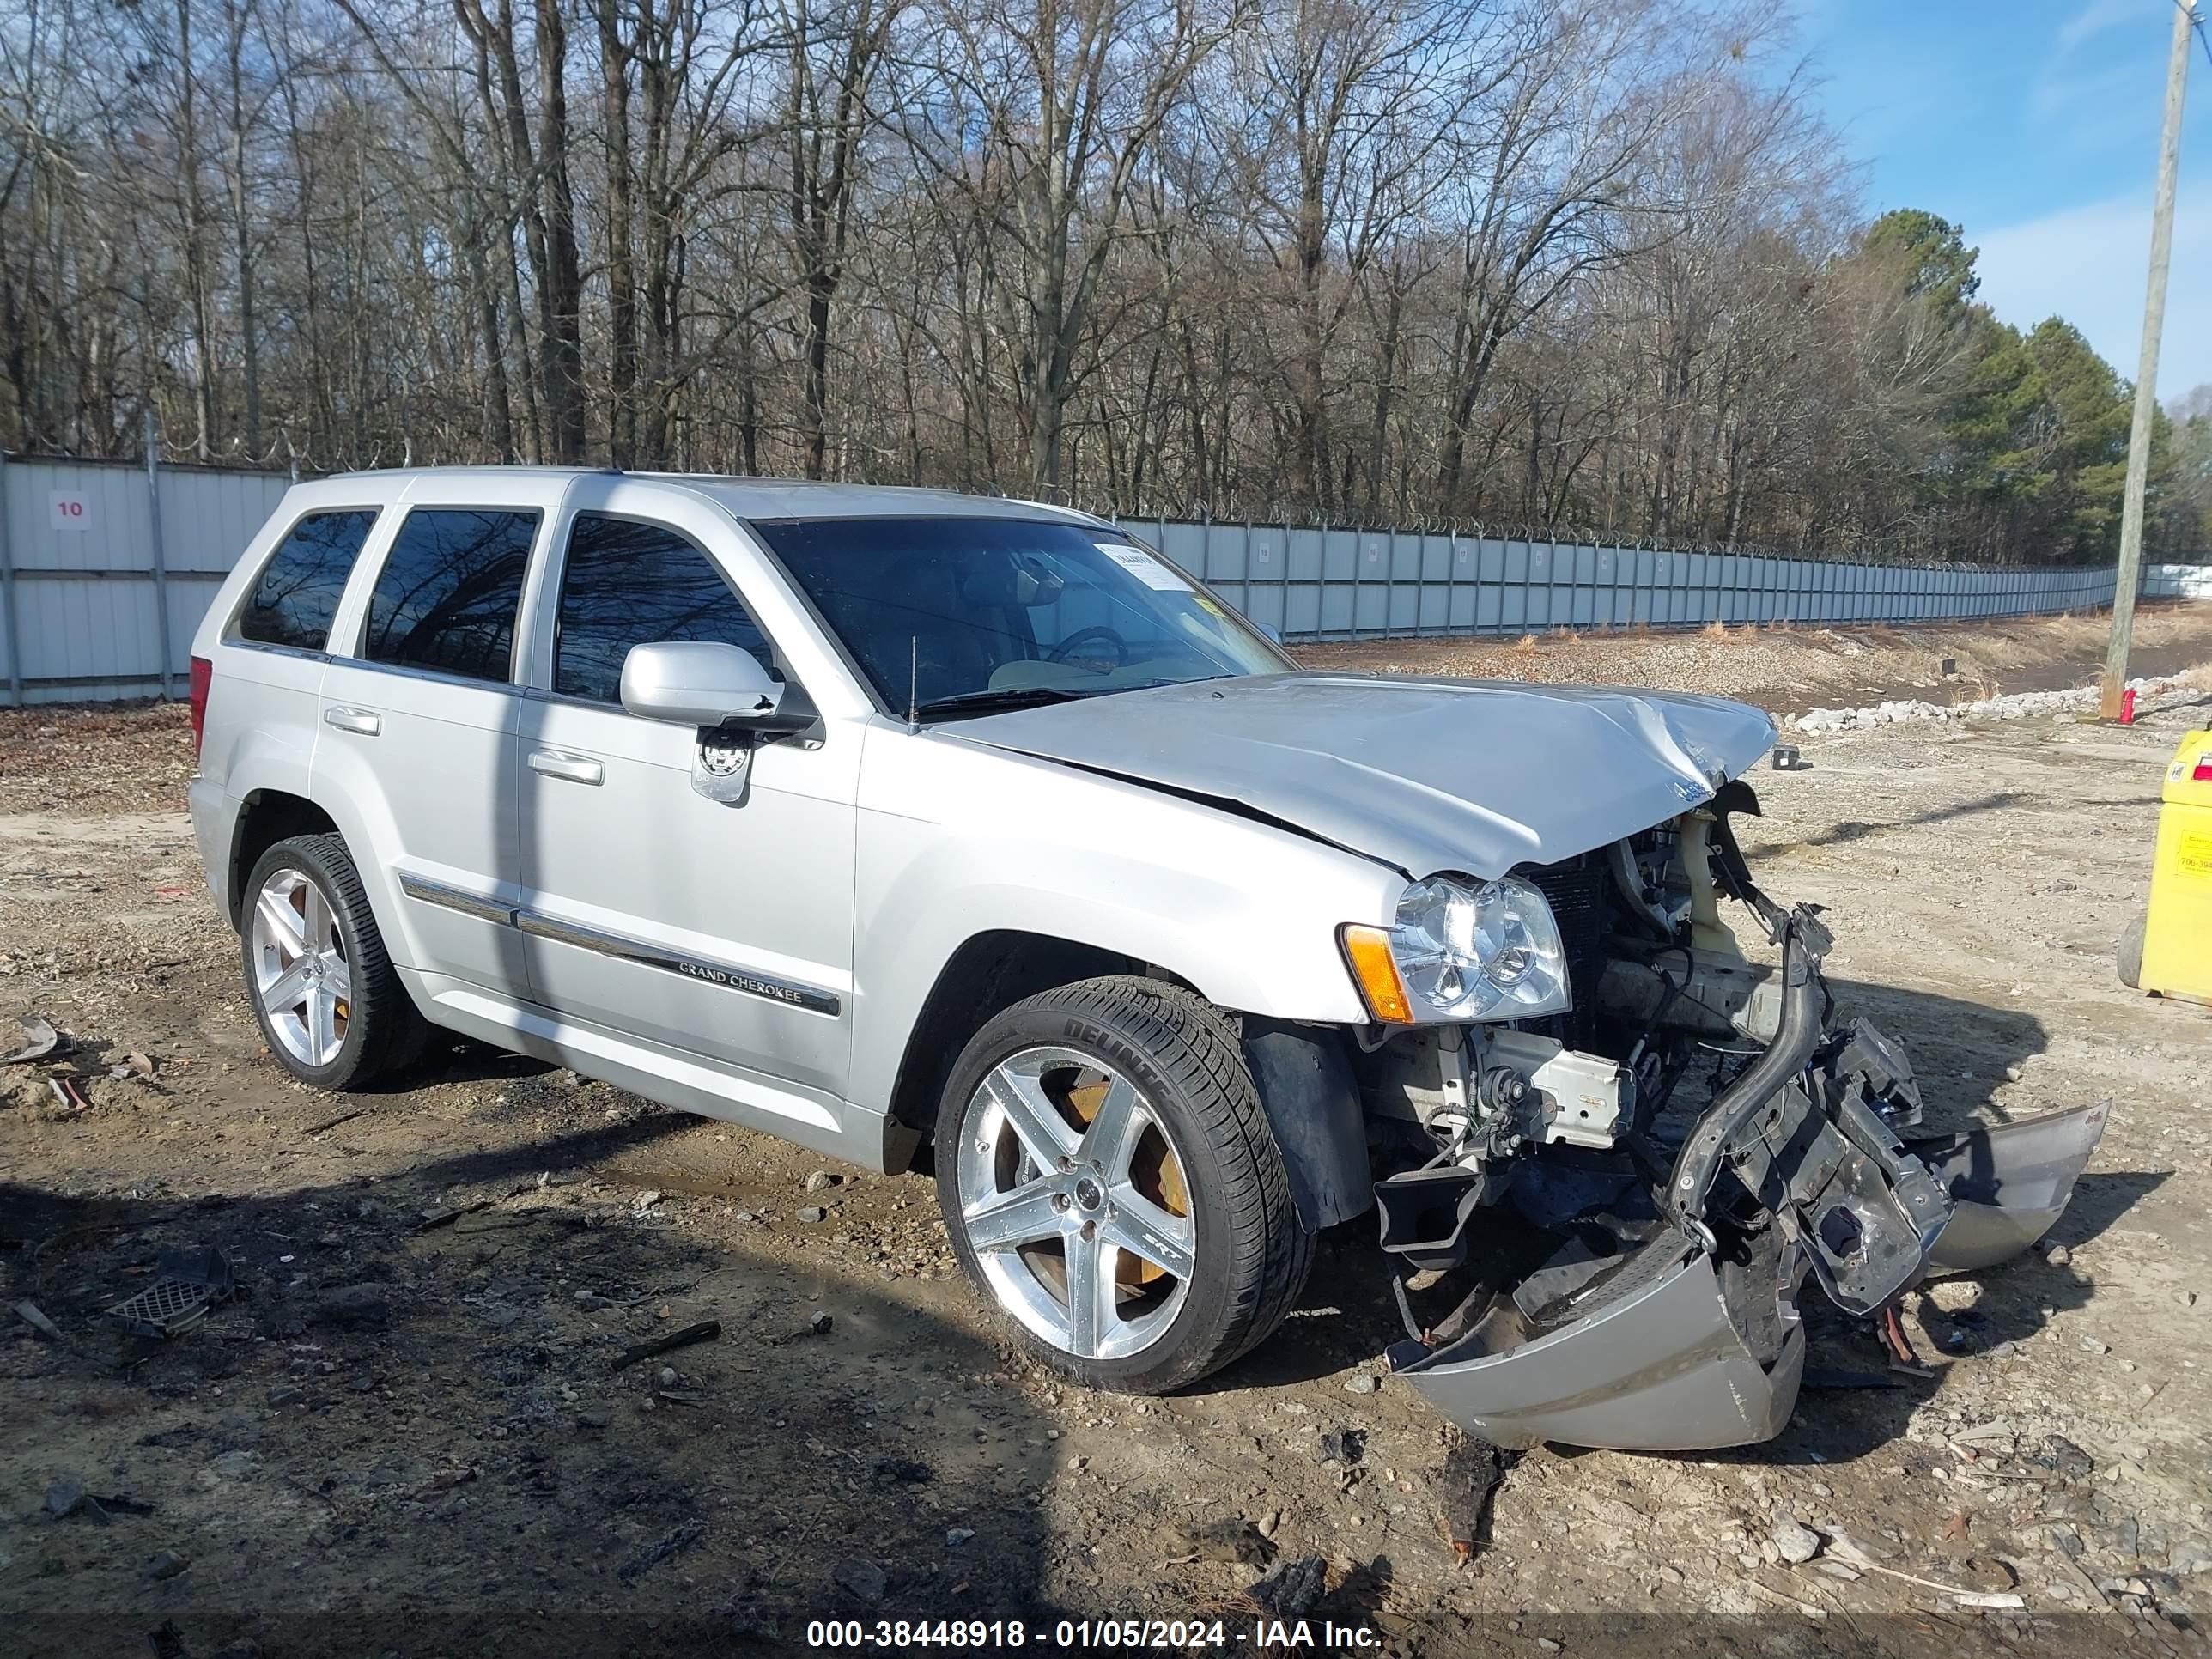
pixel 1367 949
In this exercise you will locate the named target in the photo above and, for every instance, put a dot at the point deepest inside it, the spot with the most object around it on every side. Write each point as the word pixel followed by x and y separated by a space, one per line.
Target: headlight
pixel 1464 951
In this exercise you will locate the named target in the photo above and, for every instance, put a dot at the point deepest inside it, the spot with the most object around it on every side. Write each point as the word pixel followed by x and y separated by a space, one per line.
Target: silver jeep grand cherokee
pixel 904 825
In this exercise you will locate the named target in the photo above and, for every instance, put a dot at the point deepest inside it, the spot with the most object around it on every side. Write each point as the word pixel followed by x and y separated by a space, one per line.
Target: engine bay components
pixel 1630 1279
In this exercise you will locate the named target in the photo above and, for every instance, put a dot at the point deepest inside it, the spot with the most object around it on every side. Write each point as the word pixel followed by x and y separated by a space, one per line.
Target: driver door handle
pixel 570 768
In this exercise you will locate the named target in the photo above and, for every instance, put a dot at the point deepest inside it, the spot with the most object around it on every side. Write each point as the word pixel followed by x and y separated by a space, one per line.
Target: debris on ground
pixel 1345 1446
pixel 187 1282
pixel 707 1330
pixel 65 1496
pixel 860 1579
pixel 1292 1590
pixel 682 1538
pixel 1473 1470
pixel 1231 1538
pixel 2020 705
pixel 330 1124
pixel 40 1041
pixel 28 1311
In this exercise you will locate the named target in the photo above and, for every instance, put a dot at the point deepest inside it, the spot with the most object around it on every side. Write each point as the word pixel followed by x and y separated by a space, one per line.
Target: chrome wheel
pixel 299 969
pixel 1075 1202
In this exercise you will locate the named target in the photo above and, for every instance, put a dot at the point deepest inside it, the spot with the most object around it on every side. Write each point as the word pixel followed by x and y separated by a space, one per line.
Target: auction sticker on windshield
pixel 1144 567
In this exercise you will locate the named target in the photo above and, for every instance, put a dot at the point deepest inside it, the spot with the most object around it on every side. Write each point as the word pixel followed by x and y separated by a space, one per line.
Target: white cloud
pixel 2098 15
pixel 2088 263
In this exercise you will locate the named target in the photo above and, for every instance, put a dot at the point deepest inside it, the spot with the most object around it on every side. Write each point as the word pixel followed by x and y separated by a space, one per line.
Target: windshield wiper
pixel 992 701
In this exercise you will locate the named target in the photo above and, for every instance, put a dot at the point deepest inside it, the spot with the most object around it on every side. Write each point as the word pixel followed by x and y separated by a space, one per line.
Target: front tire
pixel 1109 1181
pixel 329 1003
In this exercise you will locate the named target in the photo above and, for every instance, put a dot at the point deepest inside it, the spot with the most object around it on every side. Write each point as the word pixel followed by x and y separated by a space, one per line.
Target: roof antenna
pixel 912 682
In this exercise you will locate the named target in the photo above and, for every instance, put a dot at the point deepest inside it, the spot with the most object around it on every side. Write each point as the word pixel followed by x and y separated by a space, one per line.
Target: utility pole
pixel 2139 433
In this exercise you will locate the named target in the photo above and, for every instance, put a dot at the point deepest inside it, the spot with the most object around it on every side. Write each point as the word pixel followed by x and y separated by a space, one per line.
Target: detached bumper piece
pixel 1667 1319
pixel 1675 1350
pixel 2007 1185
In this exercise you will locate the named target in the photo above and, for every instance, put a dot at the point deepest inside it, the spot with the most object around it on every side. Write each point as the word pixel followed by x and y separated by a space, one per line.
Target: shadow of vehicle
pixel 1854 829
pixel 402 1439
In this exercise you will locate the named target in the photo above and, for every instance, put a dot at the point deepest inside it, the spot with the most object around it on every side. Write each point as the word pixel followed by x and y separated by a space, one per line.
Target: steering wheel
pixel 1071 645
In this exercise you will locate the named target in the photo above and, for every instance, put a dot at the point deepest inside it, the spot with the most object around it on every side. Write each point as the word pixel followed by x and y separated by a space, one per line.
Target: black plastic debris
pixel 186 1283
pixel 903 1471
pixel 1473 1470
pixel 652 1554
pixel 1345 1446
pixel 1292 1590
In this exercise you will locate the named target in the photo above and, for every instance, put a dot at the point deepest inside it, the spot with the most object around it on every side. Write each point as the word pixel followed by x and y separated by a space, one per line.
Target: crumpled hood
pixel 1427 774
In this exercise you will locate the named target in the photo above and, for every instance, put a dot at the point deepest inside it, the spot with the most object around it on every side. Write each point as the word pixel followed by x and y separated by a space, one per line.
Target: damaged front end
pixel 1618 1276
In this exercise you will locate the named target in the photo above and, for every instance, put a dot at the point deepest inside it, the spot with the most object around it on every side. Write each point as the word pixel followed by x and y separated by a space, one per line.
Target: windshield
pixel 973 615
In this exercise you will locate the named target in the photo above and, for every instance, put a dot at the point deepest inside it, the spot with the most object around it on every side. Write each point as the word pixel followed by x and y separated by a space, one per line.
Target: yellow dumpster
pixel 2171 950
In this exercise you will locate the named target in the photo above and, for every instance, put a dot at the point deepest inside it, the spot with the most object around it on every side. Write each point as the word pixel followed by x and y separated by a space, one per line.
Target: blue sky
pixel 2035 124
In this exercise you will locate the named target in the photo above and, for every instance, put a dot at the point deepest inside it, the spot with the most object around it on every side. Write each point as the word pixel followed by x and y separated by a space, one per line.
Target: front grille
pixel 1577 895
pixel 1578 898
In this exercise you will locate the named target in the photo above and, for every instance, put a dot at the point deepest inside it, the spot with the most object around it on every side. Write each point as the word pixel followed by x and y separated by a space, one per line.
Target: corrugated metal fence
pixel 105 570
pixel 1315 584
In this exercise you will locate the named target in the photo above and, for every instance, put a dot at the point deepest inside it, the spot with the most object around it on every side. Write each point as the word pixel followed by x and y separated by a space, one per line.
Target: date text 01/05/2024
pixel 1094 1635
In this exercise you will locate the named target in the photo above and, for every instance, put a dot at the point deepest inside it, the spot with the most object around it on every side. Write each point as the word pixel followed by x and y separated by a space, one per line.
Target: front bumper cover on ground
pixel 1689 1337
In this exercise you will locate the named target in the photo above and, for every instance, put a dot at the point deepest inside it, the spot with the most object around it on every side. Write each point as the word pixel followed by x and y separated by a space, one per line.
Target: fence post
pixel 9 594
pixel 153 546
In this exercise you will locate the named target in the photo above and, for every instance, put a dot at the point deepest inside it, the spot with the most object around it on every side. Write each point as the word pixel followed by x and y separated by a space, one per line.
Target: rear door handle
pixel 366 721
pixel 573 769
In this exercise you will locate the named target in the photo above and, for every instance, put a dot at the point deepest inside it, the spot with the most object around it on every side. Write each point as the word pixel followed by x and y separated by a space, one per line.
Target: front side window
pixel 298 590
pixel 976 615
pixel 627 584
pixel 449 590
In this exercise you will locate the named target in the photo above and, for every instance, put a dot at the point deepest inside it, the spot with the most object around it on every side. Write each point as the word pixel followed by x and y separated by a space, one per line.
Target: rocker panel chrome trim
pixel 743 981
pixel 455 898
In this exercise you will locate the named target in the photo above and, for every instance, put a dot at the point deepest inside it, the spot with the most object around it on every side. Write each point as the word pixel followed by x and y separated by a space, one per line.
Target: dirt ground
pixel 1789 669
pixel 408 1432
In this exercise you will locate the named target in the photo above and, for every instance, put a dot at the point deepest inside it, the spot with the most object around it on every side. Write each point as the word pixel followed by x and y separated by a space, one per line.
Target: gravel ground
pixel 1789 669
pixel 407 1434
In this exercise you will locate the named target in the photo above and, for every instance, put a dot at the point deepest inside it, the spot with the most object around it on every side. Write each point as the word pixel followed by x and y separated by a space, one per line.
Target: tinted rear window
pixel 297 594
pixel 638 584
pixel 446 597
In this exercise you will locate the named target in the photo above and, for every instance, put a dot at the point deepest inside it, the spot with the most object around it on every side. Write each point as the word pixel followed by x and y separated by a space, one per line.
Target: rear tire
pixel 329 1002
pixel 1122 1106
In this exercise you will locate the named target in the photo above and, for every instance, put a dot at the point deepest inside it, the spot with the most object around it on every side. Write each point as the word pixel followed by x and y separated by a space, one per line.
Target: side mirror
pixel 701 682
